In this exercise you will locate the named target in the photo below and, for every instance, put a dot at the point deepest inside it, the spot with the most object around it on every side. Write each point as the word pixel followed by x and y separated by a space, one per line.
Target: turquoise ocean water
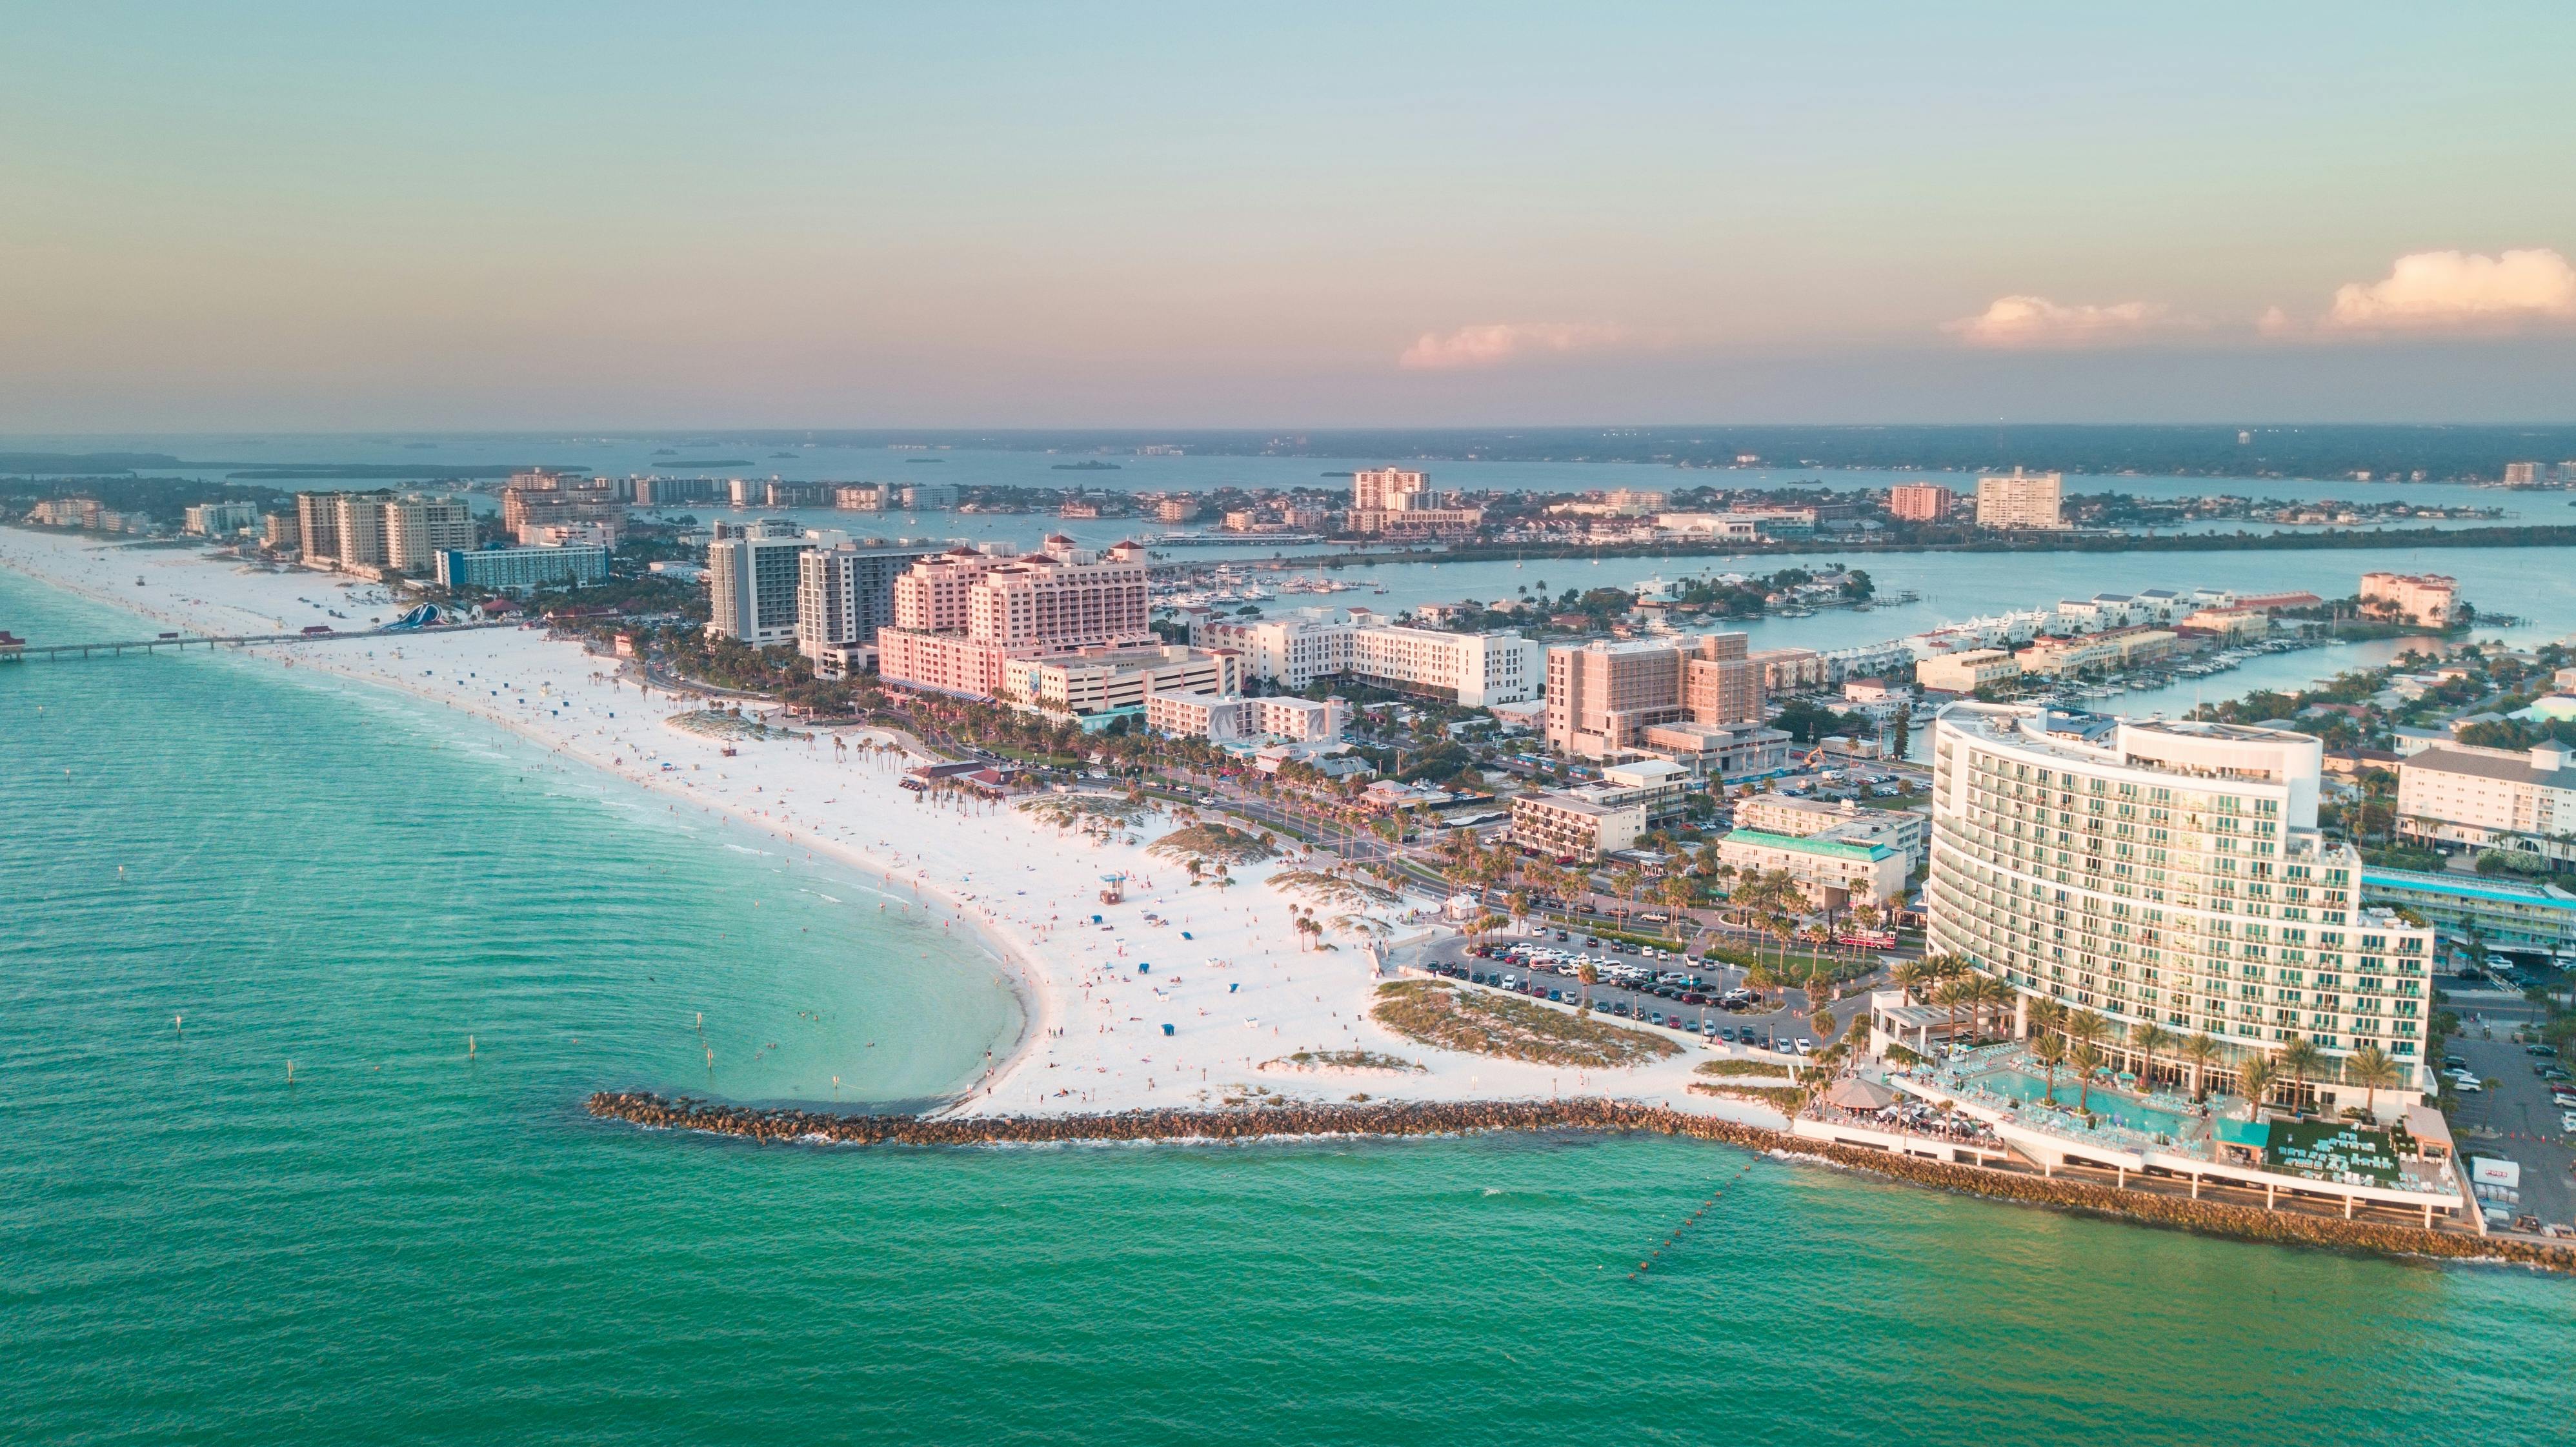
pixel 411 1244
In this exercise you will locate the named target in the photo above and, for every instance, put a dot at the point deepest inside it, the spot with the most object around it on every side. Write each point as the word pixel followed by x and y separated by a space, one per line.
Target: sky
pixel 532 215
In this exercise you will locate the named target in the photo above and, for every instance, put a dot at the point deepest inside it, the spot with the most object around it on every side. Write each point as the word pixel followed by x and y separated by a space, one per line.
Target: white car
pixel 1806 1046
pixel 2466 1084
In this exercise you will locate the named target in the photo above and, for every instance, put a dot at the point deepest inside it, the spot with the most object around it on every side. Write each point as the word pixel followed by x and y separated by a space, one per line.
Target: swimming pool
pixel 2110 1105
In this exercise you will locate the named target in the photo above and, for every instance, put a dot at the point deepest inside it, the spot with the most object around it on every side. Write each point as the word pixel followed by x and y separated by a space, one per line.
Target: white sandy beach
pixel 1227 973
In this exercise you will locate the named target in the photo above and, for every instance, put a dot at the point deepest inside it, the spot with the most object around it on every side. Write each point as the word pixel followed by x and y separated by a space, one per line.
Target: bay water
pixel 214 866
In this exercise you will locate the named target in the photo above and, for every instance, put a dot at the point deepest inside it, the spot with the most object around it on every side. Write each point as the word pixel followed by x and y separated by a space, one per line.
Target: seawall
pixel 1398 1119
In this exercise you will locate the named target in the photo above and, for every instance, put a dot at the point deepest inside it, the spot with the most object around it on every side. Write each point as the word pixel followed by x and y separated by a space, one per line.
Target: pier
pixel 14 651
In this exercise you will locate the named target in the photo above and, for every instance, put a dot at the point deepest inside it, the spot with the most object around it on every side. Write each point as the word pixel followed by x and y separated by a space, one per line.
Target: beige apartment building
pixel 1398 501
pixel 1100 680
pixel 2427 598
pixel 1787 670
pixel 1603 695
pixel 1904 831
pixel 2478 798
pixel 359 520
pixel 418 529
pixel 1920 502
pixel 1968 670
pixel 1832 873
pixel 2022 500
pixel 1294 648
pixel 1387 489
pixel 1224 718
pixel 1569 826
pixel 2118 648
pixel 1715 751
pixel 545 497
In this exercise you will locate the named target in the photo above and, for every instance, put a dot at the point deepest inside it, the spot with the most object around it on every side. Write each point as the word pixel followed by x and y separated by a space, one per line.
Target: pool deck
pixel 2053 1139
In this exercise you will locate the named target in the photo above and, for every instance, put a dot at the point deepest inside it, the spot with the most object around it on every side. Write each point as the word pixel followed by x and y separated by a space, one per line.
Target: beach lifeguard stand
pixel 1116 891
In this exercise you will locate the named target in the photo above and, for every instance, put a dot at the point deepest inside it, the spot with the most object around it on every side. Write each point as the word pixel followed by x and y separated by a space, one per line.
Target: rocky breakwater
pixel 1432 1118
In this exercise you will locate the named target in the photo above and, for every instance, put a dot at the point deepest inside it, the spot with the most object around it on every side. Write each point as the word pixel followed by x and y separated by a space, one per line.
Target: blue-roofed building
pixel 2507 912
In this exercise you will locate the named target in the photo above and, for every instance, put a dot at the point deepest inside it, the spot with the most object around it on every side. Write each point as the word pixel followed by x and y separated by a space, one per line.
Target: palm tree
pixel 2047 1017
pixel 2147 1037
pixel 2373 1070
pixel 2299 1056
pixel 2050 1051
pixel 2083 1027
pixel 1952 995
pixel 2199 1051
pixel 1590 974
pixel 1775 891
pixel 2256 1077
pixel 1913 977
pixel 1990 993
pixel 1625 881
pixel 2086 1057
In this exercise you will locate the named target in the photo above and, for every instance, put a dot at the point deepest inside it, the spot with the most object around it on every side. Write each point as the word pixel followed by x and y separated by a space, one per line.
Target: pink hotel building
pixel 960 615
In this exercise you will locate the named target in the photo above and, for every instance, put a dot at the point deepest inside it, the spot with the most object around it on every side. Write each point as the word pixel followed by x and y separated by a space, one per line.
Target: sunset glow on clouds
pixel 2425 292
pixel 2035 321
pixel 2460 291
pixel 1495 343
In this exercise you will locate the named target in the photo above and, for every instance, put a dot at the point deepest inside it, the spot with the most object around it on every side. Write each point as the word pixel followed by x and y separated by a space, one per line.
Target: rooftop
pixel 1573 803
pixel 2467 886
pixel 2512 768
pixel 1764 839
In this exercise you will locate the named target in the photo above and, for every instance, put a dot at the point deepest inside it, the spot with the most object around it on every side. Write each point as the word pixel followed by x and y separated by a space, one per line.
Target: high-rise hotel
pixel 2166 872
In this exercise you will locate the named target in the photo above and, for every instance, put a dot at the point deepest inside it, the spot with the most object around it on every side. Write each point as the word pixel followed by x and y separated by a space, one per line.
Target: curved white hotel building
pixel 2166 872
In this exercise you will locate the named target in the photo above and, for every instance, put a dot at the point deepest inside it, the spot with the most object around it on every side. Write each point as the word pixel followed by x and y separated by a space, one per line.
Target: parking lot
pixel 2517 1119
pixel 1761 1023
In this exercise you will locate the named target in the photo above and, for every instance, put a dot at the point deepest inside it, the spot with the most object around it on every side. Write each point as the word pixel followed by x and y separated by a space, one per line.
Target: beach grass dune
pixel 1439 1012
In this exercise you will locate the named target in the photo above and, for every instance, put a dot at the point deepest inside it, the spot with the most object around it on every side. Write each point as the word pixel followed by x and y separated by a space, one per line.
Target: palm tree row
pixel 2066 1036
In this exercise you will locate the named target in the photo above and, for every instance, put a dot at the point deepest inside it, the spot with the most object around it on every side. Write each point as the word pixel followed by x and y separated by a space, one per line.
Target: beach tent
pixel 1853 1093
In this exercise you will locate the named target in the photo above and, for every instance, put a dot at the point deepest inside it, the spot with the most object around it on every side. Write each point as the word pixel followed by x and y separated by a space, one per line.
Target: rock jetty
pixel 1435 1118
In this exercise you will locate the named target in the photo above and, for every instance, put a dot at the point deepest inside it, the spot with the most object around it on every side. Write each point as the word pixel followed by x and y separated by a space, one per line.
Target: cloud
pixel 2459 291
pixel 1495 343
pixel 2035 321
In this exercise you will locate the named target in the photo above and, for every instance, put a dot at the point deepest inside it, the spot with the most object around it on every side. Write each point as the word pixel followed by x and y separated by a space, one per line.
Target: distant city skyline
pixel 1155 216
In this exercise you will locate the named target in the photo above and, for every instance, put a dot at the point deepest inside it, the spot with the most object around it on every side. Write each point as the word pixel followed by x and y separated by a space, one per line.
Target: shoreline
pixel 1188 991
pixel 1020 965
pixel 1396 1120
